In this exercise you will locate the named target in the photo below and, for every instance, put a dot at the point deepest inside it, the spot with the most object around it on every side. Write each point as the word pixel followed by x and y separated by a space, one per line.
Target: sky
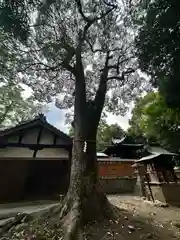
pixel 56 117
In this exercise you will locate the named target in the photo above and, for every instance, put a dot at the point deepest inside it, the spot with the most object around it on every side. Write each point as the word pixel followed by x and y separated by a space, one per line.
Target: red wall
pixel 115 169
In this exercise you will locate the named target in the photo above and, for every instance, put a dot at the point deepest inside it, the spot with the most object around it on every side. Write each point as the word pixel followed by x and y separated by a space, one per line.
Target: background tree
pixel 105 134
pixel 14 107
pixel 152 119
pixel 84 51
pixel 158 47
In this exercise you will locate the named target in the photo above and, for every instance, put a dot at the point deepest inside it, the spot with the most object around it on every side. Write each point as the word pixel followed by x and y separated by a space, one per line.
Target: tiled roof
pixel 39 120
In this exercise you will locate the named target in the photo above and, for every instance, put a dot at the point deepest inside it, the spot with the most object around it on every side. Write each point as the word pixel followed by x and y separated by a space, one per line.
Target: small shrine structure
pixel 157 177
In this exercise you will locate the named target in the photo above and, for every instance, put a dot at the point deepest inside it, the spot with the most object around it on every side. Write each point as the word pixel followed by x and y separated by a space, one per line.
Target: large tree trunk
pixel 84 185
pixel 85 200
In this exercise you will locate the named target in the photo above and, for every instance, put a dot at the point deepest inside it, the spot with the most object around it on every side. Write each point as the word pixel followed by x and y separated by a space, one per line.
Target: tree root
pixel 71 215
pixel 72 224
pixel 18 219
pixel 76 212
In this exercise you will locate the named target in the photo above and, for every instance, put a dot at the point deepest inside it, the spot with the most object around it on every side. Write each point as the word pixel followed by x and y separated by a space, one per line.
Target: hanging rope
pixel 85 143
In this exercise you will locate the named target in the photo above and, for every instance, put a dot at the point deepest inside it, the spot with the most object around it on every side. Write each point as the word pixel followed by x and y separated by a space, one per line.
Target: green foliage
pixel 71 132
pixel 158 47
pixel 105 134
pixel 153 120
pixel 14 108
pixel 14 105
pixel 15 18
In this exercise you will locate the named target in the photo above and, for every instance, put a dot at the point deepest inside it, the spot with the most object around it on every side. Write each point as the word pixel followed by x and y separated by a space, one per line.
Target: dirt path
pixel 138 220
pixel 138 206
pixel 165 222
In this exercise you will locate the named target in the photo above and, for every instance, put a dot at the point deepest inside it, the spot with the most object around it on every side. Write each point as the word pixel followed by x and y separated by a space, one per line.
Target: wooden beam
pixel 20 136
pixel 37 159
pixel 38 141
pixel 55 138
pixel 35 146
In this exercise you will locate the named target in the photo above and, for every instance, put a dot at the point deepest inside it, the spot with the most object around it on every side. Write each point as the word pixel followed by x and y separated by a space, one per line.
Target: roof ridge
pixel 42 120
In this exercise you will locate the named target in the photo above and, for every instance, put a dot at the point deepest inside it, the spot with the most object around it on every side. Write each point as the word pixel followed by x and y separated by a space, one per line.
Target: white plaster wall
pixel 16 152
pixel 60 141
pixel 47 137
pixel 52 153
pixel 31 136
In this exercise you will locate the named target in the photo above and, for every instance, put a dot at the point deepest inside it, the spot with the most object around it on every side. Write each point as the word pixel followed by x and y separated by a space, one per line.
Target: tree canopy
pixel 153 120
pixel 158 47
pixel 48 61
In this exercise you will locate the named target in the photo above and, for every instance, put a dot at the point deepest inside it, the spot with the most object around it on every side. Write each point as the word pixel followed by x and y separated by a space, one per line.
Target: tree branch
pixel 116 77
pixel 116 66
pixel 80 89
pixel 102 89
pixel 80 86
pixel 68 67
pixel 79 5
pixel 108 3
pixel 90 21
pixel 66 62
pixel 46 67
pixel 91 47
pixel 129 71
pixel 70 53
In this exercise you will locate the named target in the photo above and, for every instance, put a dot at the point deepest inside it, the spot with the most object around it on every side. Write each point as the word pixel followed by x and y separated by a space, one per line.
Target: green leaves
pixel 158 47
pixel 152 119
pixel 14 108
pixel 106 133
pixel 13 20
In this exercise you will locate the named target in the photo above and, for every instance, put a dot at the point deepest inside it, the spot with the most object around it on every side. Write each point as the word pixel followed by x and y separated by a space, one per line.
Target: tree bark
pixel 85 201
pixel 84 186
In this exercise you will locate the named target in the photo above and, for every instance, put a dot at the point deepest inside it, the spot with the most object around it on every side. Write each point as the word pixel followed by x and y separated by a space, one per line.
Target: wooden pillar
pixel 140 186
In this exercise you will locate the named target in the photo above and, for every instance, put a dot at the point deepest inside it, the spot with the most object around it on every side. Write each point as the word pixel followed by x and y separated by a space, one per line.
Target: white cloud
pixel 27 90
pixel 120 120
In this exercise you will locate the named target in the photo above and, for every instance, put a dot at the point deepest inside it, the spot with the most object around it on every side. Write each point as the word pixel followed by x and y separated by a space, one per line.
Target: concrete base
pixel 139 188
pixel 116 186
pixel 166 192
